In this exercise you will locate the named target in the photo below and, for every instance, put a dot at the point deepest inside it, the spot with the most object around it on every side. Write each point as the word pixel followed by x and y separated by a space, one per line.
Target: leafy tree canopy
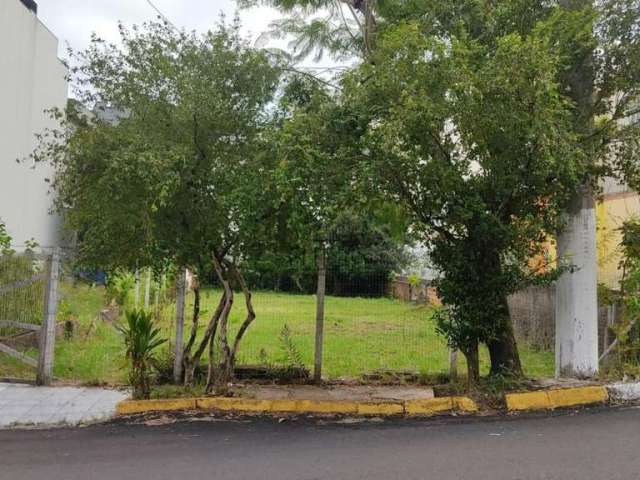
pixel 178 175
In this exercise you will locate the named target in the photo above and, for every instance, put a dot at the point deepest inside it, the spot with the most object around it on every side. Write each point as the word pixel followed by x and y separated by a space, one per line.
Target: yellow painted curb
pixel 382 409
pixel 280 406
pixel 464 404
pixel 434 406
pixel 429 406
pixel 129 407
pixel 578 396
pixel 418 407
pixel 550 399
pixel 230 404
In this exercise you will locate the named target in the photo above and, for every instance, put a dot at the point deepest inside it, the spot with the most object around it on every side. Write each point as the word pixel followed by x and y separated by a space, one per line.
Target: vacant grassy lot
pixel 361 335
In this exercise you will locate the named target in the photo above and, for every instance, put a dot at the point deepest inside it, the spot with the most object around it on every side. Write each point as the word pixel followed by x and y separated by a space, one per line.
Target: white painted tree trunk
pixel 576 292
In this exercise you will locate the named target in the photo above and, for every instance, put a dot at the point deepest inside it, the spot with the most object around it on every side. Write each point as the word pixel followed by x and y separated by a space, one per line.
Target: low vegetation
pixel 362 335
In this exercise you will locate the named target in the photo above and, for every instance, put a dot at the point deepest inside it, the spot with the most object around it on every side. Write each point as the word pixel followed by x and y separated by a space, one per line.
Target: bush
pixel 141 338
pixel 119 286
pixel 361 257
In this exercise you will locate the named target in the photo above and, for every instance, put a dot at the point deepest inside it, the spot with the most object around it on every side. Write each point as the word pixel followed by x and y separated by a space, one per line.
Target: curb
pixel 558 398
pixel 624 391
pixel 427 407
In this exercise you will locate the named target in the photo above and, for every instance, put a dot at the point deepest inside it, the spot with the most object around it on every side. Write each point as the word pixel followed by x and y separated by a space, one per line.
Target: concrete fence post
pixel 320 294
pixel 453 364
pixel 48 329
pixel 136 289
pixel 147 289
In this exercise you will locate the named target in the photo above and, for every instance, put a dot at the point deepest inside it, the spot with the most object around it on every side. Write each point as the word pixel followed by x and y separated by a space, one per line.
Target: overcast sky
pixel 72 21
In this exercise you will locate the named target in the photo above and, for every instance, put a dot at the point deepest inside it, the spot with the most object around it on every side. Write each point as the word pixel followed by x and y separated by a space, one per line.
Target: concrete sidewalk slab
pixel 23 405
pixel 336 393
pixel 624 391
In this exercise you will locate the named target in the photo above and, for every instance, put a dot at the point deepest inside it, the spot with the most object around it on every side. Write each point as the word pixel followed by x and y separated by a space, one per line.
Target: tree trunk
pixel 178 364
pixel 503 352
pixel 191 362
pixel 503 349
pixel 222 374
pixel 211 366
pixel 473 363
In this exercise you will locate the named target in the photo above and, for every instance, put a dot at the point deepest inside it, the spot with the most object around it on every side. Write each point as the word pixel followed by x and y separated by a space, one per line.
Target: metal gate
pixel 28 302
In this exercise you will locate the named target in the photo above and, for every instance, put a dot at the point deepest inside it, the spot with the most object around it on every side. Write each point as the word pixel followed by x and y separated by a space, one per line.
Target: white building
pixel 32 79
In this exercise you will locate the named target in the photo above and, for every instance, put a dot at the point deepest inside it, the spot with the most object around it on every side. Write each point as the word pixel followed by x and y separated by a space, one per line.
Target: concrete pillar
pixel 577 292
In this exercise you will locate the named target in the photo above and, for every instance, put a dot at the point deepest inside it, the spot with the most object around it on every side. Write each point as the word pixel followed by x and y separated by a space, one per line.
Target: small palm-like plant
pixel 141 338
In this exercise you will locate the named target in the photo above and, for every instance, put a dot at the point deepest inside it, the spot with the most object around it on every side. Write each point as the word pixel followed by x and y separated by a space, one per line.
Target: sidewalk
pixel 23 405
pixel 336 393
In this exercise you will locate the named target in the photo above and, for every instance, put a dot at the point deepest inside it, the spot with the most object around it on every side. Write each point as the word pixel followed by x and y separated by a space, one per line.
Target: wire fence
pixel 28 284
pixel 21 298
pixel 376 326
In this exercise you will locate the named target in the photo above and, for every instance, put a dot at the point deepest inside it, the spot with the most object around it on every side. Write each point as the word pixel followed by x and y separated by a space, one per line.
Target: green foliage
pixel 180 172
pixel 607 295
pixel 482 139
pixel 5 240
pixel 291 356
pixel 141 338
pixel 626 361
pixel 483 119
pixel 66 310
pixel 172 168
pixel 361 257
pixel 120 285
pixel 362 335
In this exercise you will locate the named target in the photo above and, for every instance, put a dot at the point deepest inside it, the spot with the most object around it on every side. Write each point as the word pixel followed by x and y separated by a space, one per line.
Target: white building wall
pixel 32 79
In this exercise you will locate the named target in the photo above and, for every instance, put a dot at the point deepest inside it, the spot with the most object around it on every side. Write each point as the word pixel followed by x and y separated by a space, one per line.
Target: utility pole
pixel 576 345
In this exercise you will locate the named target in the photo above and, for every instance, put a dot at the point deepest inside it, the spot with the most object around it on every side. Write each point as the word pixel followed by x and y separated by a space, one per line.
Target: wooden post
pixel 181 293
pixel 147 289
pixel 136 290
pixel 453 365
pixel 322 275
pixel 48 329
pixel 156 294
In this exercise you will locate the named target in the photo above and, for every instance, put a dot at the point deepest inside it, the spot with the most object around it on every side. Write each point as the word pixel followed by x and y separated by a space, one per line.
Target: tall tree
pixel 180 176
pixel 476 142
pixel 595 50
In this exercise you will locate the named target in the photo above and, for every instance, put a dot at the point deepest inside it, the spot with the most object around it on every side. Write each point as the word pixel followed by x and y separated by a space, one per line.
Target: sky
pixel 73 21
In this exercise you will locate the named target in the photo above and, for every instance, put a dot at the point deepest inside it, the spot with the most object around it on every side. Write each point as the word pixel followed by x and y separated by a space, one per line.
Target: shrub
pixel 141 338
pixel 119 286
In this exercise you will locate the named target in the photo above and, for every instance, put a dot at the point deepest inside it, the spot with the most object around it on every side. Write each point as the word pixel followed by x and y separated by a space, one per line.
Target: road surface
pixel 601 444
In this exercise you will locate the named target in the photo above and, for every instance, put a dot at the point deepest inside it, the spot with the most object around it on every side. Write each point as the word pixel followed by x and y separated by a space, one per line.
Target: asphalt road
pixel 598 445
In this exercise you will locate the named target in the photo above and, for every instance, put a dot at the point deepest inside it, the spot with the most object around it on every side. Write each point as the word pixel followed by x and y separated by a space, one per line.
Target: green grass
pixel 361 336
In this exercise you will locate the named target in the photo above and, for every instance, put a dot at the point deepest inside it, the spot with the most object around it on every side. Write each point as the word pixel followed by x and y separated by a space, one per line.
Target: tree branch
pixel 251 315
